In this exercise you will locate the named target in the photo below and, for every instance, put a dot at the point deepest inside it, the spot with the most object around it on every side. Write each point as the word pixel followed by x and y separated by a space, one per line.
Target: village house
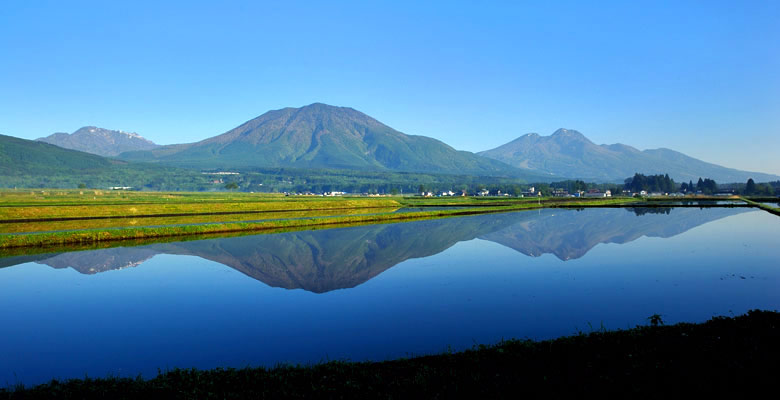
pixel 530 192
pixel 598 193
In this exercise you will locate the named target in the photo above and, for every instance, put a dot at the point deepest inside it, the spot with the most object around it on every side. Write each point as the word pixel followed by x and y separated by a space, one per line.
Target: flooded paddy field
pixel 377 292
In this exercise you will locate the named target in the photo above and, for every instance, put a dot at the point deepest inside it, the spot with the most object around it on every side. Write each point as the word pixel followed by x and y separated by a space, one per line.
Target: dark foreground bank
pixel 734 355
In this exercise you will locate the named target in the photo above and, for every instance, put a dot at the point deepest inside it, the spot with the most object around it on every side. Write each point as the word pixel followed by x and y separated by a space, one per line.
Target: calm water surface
pixel 381 291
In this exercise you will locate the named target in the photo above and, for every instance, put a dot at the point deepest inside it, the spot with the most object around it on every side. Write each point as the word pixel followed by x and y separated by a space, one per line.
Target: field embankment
pixel 770 209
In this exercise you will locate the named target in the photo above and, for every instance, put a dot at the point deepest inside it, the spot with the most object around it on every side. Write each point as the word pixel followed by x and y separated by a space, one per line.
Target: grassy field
pixel 721 356
pixel 78 196
pixel 78 217
pixel 125 222
pixel 58 205
pixel 18 207
pixel 85 236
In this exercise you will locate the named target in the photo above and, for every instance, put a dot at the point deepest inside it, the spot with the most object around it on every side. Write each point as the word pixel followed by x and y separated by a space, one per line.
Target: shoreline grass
pixel 769 209
pixel 722 355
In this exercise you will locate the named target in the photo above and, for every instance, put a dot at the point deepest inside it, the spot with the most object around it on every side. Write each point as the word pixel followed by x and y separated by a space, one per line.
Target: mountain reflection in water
pixel 324 260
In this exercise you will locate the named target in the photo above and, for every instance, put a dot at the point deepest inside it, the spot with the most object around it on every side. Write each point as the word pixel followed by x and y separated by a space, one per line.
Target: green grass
pixel 770 209
pixel 102 204
pixel 121 234
pixel 495 201
pixel 81 237
pixel 124 222
pixel 721 356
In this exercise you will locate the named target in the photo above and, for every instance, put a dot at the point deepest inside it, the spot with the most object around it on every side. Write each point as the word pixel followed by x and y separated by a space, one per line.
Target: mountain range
pixel 103 142
pixel 323 136
pixel 569 153
pixel 320 136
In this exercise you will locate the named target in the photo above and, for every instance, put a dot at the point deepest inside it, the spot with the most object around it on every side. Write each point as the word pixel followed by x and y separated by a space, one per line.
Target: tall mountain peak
pixel 323 136
pixel 569 134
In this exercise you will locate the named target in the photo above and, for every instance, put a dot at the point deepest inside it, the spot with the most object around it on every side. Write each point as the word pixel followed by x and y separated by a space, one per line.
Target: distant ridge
pixel 27 157
pixel 100 141
pixel 569 153
pixel 30 163
pixel 324 136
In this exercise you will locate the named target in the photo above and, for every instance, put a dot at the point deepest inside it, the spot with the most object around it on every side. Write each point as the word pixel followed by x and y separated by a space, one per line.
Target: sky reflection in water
pixel 379 291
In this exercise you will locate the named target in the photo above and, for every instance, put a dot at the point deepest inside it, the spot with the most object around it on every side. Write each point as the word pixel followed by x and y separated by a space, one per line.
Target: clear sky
pixel 698 77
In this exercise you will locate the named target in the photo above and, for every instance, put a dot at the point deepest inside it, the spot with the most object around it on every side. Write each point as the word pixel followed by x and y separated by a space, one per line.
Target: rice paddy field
pixel 33 218
pixel 263 234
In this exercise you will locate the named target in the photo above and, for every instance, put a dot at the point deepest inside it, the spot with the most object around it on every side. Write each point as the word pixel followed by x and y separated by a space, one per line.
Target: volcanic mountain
pixel 323 136
pixel 103 142
pixel 569 153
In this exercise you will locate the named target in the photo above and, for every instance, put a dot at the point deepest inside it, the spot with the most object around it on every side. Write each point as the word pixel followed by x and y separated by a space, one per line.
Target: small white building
pixel 597 193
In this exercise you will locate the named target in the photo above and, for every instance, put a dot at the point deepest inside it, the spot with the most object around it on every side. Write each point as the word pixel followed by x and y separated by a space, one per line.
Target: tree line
pixel 142 177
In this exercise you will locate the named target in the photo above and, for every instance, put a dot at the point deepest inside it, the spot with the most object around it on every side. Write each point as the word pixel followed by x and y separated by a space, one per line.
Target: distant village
pixel 531 192
pixel 633 187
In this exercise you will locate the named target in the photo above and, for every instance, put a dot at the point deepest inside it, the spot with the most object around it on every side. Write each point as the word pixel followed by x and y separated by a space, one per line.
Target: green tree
pixel 231 186
pixel 750 187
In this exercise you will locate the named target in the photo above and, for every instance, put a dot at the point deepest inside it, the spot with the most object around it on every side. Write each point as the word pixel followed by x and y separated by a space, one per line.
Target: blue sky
pixel 698 77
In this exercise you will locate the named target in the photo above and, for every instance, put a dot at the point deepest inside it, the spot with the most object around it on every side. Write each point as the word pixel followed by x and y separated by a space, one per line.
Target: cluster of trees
pixel 706 186
pixel 662 183
pixel 650 183
pixel 760 189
